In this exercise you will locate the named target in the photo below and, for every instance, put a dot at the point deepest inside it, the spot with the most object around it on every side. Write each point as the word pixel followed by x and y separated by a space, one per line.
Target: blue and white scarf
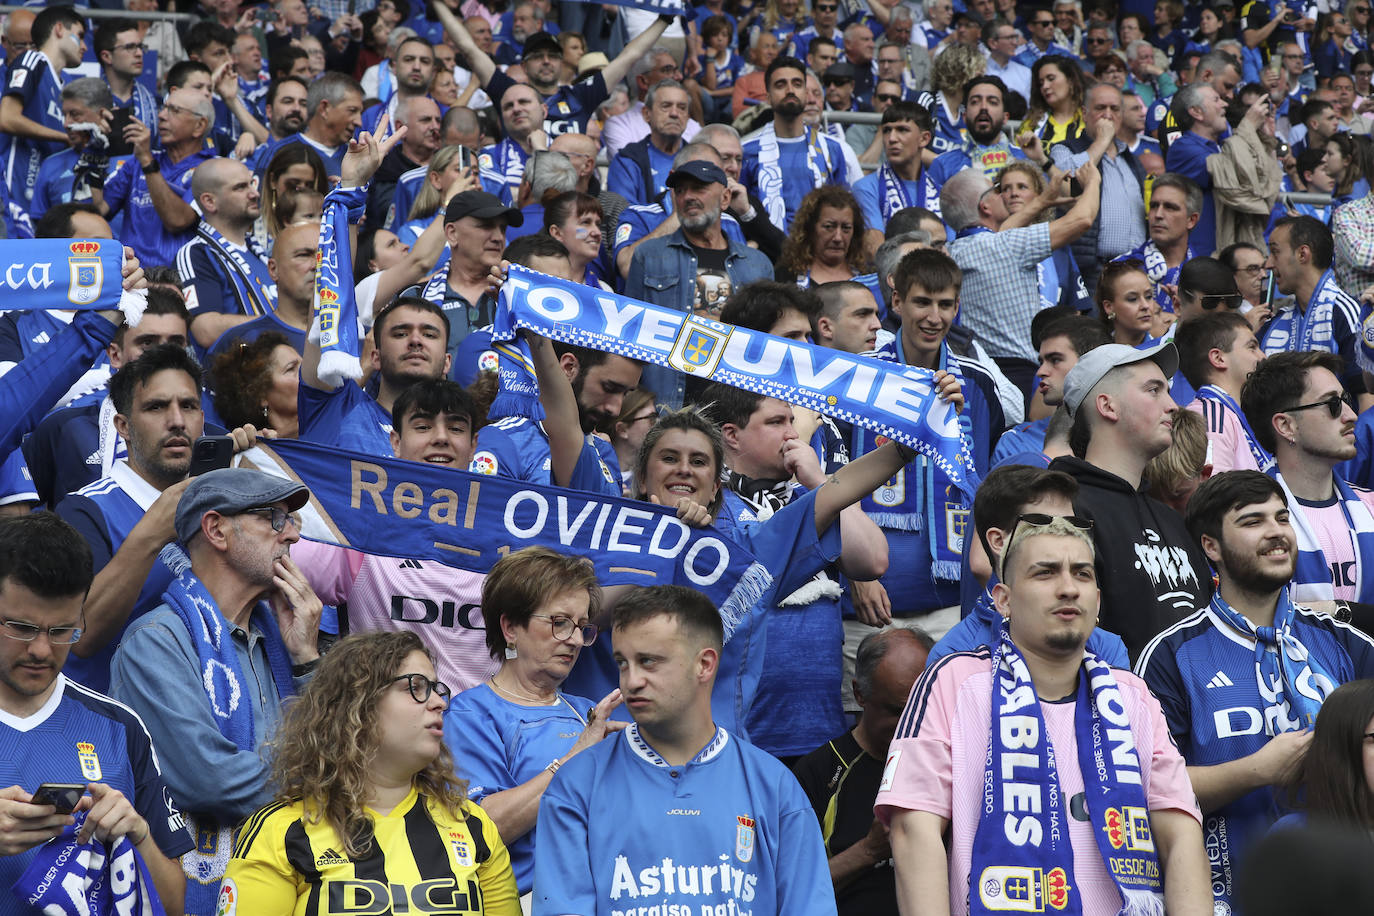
pixel 67 878
pixel 1312 580
pixel 1314 327
pixel 921 497
pixel 335 323
pixel 899 402
pixel 231 707
pixel 1284 669
pixel 61 274
pixel 253 285
pixel 386 83
pixel 771 179
pixel 1263 460
pixel 1022 855
pixel 894 195
pixel 503 168
pixel 1158 270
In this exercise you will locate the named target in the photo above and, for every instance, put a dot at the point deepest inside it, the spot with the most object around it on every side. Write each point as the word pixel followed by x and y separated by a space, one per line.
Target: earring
pixel 510 652
pixel 264 414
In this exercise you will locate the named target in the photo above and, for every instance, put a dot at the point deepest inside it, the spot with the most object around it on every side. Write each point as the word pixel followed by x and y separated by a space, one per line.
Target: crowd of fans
pixel 1131 246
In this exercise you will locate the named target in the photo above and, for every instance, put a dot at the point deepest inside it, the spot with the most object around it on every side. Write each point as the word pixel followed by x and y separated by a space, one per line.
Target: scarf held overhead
pixel 899 402
pixel 389 507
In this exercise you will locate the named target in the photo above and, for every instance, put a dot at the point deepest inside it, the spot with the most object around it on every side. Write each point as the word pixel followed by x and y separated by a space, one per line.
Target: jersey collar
pixel 650 756
pixel 29 723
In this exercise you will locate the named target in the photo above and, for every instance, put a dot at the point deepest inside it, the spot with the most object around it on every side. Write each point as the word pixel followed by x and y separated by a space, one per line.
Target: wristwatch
pixel 151 168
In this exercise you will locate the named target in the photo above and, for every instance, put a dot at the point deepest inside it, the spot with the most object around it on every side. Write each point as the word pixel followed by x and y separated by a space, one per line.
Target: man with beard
pixel 285 110
pixel 413 66
pixel 1241 680
pixel 1294 403
pixel 788 160
pixel 126 516
pixel 987 148
pixel 223 271
pixel 686 269
pixel 211 701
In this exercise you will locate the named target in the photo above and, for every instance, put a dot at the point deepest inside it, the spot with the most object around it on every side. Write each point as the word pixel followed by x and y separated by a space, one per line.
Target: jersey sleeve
pixel 624 179
pixel 803 874
pixel 919 772
pixel 152 799
pixel 322 412
pixel 85 516
pixel 866 193
pixel 789 547
pixel 563 868
pixel 259 878
pixel 592 474
pixel 495 876
pixel 479 750
pixel 119 183
pixel 495 454
pixel 201 280
pixel 25 76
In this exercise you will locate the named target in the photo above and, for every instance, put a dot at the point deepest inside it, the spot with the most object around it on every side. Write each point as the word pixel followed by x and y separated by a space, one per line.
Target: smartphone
pixel 265 15
pixel 63 796
pixel 116 145
pixel 352 7
pixel 210 453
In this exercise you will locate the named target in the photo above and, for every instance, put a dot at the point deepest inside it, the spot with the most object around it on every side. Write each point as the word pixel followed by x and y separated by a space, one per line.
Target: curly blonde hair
pixel 327 742
pixel 797 252
pixel 955 66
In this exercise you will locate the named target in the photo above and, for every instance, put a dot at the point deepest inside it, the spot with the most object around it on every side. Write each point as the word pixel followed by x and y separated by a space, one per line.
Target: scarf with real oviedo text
pixel 922 497
pixel 1312 579
pixel 1284 669
pixel 771 178
pixel 335 323
pixel 95 878
pixel 231 706
pixel 899 402
pixel 1022 853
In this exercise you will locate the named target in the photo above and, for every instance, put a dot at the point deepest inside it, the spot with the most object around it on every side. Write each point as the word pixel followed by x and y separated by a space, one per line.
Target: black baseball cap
pixel 481 205
pixel 841 72
pixel 538 42
pixel 701 170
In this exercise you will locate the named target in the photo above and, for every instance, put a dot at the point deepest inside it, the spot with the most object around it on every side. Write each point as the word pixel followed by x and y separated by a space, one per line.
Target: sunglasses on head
pixel 1334 405
pixel 1039 520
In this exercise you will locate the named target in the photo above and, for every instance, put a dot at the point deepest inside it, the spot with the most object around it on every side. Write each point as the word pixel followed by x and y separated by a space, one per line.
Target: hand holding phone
pixel 64 796
pixel 210 453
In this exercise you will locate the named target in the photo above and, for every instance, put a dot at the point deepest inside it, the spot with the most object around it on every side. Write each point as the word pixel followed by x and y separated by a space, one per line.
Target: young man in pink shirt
pixel 1051 774
pixel 1216 354
pixel 433 421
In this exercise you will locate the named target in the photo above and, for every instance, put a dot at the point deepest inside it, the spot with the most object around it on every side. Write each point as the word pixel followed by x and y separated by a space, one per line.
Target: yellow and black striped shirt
pixel 421 860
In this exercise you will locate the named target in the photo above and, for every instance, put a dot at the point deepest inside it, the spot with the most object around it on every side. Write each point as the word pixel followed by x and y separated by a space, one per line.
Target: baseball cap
pixel 230 491
pixel 1093 366
pixel 540 42
pixel 481 205
pixel 841 72
pixel 700 169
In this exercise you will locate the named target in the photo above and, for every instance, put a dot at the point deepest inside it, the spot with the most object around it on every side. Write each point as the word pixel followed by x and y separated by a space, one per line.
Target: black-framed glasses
pixel 1040 519
pixel 422 687
pixel 276 516
pixel 562 628
pixel 1334 405
pixel 28 632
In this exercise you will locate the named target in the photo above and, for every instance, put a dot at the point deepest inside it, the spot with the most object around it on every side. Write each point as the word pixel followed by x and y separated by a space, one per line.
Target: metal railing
pixel 94 13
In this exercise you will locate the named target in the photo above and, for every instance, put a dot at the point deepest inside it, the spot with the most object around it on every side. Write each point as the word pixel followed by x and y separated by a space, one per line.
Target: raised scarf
pixel 1284 669
pixel 1312 579
pixel 335 323
pixel 1022 854
pixel 63 274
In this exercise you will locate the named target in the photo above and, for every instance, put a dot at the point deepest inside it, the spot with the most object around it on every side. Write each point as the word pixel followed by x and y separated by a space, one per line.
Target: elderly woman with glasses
pixel 512 733
pixel 367 801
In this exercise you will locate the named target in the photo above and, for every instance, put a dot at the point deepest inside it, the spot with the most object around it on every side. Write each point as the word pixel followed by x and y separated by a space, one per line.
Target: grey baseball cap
pixel 230 491
pixel 1094 365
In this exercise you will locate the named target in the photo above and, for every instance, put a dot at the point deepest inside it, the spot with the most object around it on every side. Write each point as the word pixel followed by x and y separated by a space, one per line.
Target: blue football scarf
pixel 67 878
pixel 893 194
pixel 662 7
pixel 1212 393
pixel 1283 667
pixel 899 402
pixel 250 279
pixel 1022 854
pixel 771 179
pixel 1312 580
pixel 921 496
pixel 53 274
pixel 226 689
pixel 336 307
pixel 1312 328
pixel 389 507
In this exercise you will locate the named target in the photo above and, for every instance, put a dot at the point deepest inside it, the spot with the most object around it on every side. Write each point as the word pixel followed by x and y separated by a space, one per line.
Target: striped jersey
pixel 422 859
pixel 1203 672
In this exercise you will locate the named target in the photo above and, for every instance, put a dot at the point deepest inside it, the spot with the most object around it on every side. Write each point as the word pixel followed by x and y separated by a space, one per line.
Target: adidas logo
pixel 330 857
pixel 1219 680
pixel 409 564
pixel 42 338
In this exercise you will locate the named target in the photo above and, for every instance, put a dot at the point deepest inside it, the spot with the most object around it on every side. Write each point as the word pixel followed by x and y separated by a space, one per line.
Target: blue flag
pixel 390 507
pixel 48 274
pixel 895 401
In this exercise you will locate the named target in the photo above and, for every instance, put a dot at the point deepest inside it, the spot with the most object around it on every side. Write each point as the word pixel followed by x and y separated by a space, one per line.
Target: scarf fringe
pixel 337 367
pixel 748 592
pixel 948 570
pixel 1142 903
pixel 900 521
pixel 132 304
pixel 817 589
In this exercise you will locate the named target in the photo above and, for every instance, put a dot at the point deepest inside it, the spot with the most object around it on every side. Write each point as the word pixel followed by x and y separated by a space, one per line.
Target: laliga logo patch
pixel 622 233
pixel 90 763
pixel 1022 889
pixel 488 361
pixel 228 903
pixel 484 161
pixel 484 463
pixel 744 838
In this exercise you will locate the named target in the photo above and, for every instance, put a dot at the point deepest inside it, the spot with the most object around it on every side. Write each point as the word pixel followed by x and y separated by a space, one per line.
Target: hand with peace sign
pixel 366 153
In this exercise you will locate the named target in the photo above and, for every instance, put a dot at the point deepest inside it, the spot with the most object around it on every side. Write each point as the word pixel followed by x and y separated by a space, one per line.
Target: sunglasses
pixel 1217 300
pixel 886 97
pixel 1039 520
pixel 1334 405
pixel 824 8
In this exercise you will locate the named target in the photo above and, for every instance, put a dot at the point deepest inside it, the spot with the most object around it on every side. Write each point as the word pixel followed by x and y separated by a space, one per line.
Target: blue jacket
pixel 1188 156
pixel 663 271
